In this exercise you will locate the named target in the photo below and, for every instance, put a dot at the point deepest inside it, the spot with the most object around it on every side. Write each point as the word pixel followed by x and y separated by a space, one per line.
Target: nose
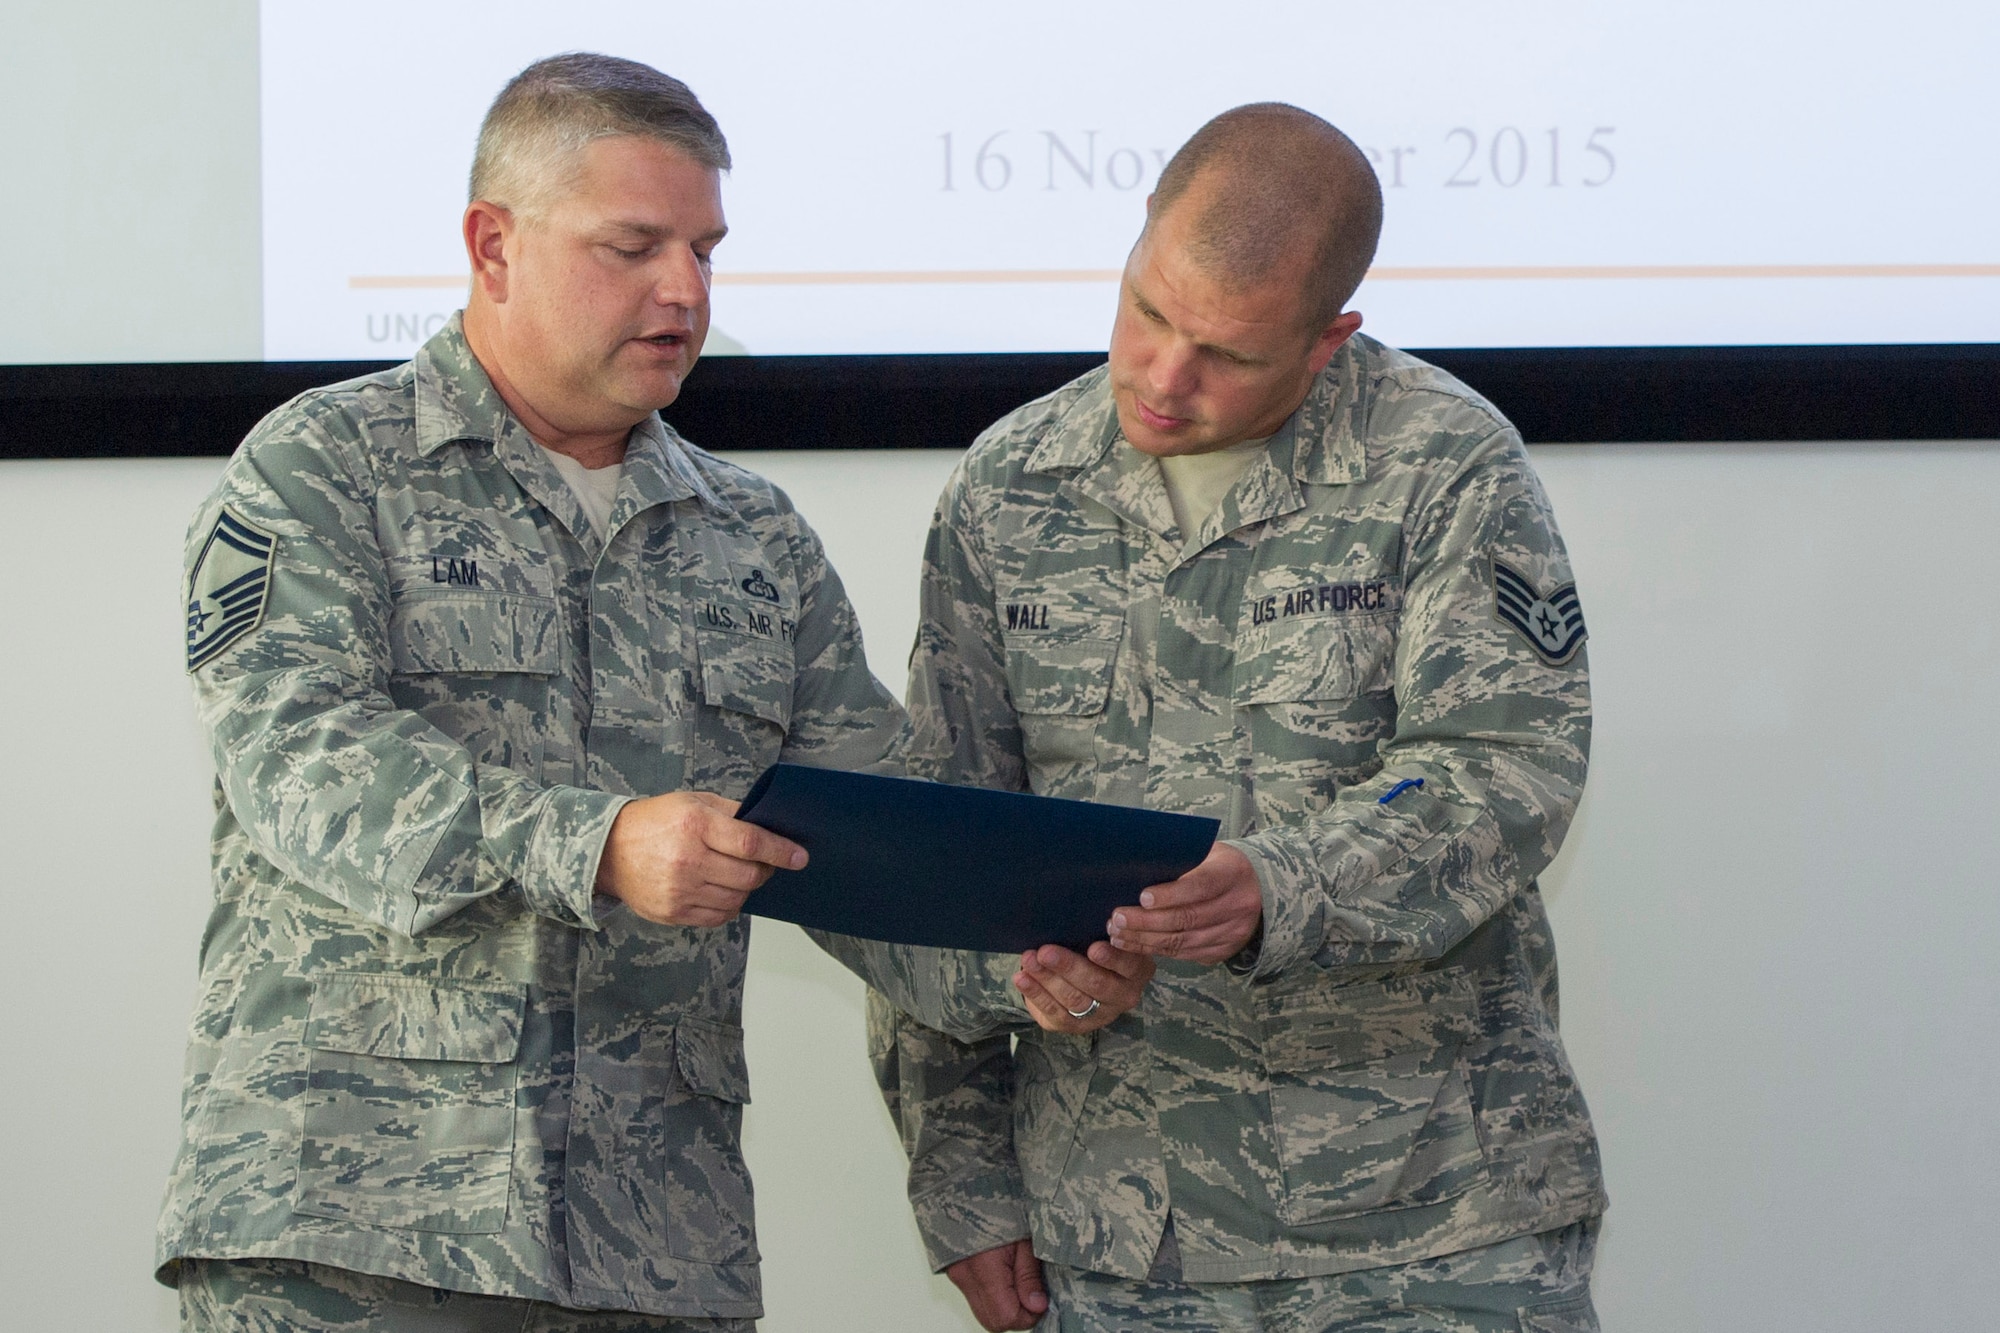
pixel 1172 370
pixel 682 279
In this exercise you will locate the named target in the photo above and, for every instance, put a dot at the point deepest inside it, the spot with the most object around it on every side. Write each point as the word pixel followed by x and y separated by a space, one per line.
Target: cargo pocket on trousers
pixel 708 1195
pixel 1368 1104
pixel 409 1113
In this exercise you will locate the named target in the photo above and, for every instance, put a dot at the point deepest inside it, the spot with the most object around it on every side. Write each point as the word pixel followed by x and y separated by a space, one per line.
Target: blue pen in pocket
pixel 1399 789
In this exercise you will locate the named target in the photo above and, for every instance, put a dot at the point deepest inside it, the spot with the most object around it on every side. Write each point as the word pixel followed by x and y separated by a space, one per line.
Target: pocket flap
pixel 746 675
pixel 710 1059
pixel 1064 673
pixel 1329 1026
pixel 474 631
pixel 1571 1314
pixel 1298 661
pixel 411 1018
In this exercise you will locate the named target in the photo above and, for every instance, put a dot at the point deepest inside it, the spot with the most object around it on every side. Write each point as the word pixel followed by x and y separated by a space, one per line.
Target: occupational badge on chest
pixel 756 583
pixel 229 586
pixel 1552 624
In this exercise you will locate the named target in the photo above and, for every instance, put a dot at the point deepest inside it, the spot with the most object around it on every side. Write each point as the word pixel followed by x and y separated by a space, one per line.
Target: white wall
pixel 128 141
pixel 1776 915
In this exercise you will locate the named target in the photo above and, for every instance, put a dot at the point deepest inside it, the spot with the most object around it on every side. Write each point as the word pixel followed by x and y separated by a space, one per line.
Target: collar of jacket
pixel 455 400
pixel 1322 444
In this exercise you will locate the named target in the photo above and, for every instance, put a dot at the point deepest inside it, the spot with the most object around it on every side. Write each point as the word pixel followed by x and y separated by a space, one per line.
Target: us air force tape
pixel 1552 625
pixel 229 586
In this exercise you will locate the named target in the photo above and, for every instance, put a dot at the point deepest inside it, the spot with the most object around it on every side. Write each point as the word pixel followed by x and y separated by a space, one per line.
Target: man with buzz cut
pixel 472 645
pixel 1263 568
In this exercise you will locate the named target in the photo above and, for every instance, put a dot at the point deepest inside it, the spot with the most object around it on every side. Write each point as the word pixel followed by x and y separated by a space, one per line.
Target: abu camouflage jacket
pixel 421 1048
pixel 1382 600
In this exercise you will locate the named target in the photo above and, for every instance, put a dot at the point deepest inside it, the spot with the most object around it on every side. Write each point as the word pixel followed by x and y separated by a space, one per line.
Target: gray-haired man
pixel 467 1052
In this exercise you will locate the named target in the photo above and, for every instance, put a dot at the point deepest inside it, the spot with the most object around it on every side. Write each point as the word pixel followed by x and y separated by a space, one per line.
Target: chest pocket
pixel 745 682
pixel 1064 670
pixel 1059 676
pixel 1314 658
pixel 1314 698
pixel 478 666
pixel 741 673
pixel 452 632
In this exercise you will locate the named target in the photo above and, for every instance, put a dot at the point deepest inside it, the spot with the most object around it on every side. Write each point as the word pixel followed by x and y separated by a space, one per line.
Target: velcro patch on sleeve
pixel 1552 624
pixel 229 586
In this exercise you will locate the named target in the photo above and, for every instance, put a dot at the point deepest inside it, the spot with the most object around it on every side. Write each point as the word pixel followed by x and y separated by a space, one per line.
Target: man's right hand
pixel 683 859
pixel 1003 1286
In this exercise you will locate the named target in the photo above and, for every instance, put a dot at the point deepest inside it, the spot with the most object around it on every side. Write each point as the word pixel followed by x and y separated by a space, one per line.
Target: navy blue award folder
pixel 960 867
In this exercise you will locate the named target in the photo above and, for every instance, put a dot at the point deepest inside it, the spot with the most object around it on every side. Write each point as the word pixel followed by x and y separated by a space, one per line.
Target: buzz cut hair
pixel 1268 180
pixel 532 140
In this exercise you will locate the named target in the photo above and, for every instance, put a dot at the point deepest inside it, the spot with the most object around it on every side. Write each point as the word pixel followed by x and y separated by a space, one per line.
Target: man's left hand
pixel 1003 1286
pixel 1081 992
pixel 1205 916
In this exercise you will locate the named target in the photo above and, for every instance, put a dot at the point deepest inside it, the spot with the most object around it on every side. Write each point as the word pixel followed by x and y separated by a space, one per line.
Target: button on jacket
pixel 422 1049
pixel 1366 664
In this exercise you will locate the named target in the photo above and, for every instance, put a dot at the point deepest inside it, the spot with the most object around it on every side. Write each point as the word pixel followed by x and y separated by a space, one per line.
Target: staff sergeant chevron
pixel 1552 625
pixel 228 587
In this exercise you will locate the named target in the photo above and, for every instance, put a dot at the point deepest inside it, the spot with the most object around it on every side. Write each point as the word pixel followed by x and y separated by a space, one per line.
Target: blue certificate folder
pixel 960 867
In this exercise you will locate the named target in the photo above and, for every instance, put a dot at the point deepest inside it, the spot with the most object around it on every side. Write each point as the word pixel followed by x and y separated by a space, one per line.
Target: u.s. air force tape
pixel 1552 625
pixel 229 586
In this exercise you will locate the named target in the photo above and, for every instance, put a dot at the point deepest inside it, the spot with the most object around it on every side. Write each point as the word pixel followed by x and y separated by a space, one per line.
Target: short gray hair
pixel 1267 179
pixel 534 134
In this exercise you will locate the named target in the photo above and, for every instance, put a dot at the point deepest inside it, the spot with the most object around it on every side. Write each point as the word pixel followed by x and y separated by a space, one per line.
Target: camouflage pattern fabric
pixel 1379 1078
pixel 1532 1284
pixel 422 1049
pixel 286 1296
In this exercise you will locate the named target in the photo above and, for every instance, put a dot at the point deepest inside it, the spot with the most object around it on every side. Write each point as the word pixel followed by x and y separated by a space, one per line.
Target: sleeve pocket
pixel 409 1114
pixel 474 632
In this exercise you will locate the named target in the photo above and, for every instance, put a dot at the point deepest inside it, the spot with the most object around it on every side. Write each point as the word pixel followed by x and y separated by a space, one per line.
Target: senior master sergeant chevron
pixel 451 627
pixel 1264 569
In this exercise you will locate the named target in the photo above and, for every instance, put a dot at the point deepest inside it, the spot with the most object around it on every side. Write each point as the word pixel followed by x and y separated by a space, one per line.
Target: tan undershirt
pixel 1196 483
pixel 596 488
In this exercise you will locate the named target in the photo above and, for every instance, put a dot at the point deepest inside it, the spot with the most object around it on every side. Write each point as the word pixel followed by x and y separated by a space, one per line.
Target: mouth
pixel 668 341
pixel 1157 420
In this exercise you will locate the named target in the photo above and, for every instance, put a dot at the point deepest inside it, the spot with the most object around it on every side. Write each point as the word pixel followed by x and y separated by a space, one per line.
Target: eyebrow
pixel 654 232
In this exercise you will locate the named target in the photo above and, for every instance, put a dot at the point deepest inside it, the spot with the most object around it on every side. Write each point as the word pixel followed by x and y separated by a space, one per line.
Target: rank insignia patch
pixel 229 587
pixel 1552 625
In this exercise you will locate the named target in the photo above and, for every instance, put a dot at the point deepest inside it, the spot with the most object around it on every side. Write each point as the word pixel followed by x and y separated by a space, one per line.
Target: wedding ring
pixel 1084 1012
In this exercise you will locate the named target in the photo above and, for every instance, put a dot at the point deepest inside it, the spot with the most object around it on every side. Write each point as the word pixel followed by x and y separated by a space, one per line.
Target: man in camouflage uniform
pixel 1263 569
pixel 467 1051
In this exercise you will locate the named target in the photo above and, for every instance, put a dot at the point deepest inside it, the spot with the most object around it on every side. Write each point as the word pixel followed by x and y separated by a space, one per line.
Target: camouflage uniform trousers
pixel 1532 1284
pixel 288 1296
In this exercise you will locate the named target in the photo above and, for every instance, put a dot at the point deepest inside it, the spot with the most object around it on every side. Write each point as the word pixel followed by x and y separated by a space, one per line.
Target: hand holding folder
pixel 910 862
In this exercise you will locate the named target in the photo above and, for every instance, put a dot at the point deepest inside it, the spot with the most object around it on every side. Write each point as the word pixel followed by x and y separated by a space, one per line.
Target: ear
pixel 1331 338
pixel 489 233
